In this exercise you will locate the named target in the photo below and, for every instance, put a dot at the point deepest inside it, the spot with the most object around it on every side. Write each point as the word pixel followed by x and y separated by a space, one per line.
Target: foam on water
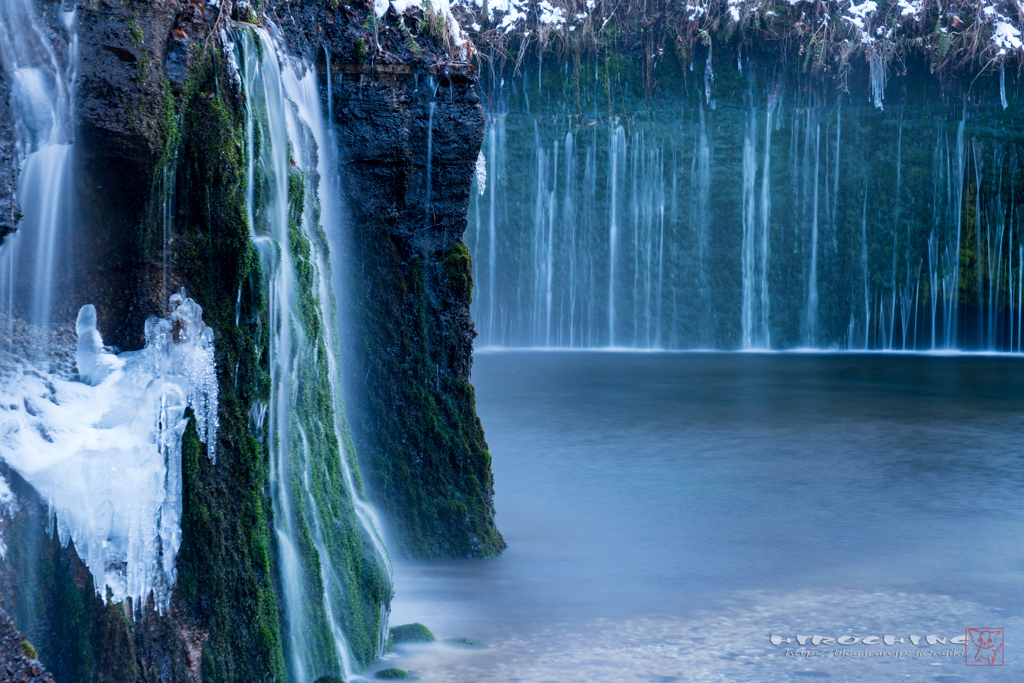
pixel 105 451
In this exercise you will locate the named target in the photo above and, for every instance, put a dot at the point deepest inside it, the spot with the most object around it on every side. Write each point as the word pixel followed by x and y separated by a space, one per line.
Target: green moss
pixel 224 564
pixel 410 633
pixel 28 649
pixel 320 520
pixel 330 679
pixel 422 441
pixel 135 33
pixel 391 674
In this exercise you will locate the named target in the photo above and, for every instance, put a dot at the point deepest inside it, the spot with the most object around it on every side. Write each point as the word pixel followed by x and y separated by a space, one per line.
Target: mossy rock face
pixel 225 563
pixel 411 633
pixel 330 679
pixel 392 674
pixel 410 338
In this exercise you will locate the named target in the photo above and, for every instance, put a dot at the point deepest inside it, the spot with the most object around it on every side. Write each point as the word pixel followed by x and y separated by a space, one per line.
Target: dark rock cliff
pixel 409 278
pixel 9 209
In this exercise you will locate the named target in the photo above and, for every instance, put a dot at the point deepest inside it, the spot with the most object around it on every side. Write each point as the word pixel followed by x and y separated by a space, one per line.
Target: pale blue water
pixel 725 497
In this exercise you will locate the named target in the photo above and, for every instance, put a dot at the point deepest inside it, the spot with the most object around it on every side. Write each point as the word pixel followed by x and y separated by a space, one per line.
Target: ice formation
pixel 481 172
pixel 1002 87
pixel 879 75
pixel 105 451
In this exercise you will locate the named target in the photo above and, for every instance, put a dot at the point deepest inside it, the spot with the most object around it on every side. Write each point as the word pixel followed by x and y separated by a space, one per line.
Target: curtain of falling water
pixel 795 217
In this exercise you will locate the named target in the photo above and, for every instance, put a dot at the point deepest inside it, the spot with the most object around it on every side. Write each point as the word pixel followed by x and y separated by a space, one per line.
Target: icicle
pixel 1002 86
pixel 709 78
pixel 879 75
pixel 481 172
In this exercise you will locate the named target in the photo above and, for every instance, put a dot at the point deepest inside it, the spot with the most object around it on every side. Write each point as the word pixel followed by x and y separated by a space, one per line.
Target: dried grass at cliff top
pixel 962 37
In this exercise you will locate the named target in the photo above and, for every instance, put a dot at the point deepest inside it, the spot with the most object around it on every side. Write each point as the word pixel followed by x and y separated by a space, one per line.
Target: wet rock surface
pixel 125 110
pixel 9 209
pixel 15 665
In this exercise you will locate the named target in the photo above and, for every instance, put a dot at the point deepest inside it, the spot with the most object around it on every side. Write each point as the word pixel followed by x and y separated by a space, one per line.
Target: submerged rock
pixel 464 642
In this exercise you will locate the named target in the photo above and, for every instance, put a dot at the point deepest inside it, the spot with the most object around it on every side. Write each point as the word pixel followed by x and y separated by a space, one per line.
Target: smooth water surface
pixel 667 512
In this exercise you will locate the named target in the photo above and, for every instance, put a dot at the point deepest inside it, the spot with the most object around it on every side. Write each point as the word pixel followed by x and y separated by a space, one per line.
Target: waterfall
pixel 702 220
pixel 748 254
pixel 41 100
pixel 812 287
pixel 864 267
pixel 290 203
pixel 616 160
pixel 951 269
pixel 569 223
pixel 484 240
pixel 756 235
pixel 692 227
pixel 764 336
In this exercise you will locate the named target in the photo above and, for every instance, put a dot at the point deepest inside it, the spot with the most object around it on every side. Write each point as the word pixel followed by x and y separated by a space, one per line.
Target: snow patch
pixel 911 9
pixel 1006 37
pixel 858 13
pixel 441 8
pixel 549 14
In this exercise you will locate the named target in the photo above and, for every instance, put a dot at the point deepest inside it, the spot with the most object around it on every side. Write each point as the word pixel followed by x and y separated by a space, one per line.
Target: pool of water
pixel 666 513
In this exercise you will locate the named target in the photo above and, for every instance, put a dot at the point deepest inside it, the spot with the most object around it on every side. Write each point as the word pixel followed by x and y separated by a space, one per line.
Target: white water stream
pixel 287 139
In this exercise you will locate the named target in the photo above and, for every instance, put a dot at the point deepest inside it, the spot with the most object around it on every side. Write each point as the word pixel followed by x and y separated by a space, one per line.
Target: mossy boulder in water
pixel 410 633
pixel 330 679
pixel 392 674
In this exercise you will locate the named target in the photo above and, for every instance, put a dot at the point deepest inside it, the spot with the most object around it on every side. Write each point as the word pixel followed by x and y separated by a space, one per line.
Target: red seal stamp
pixel 984 647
